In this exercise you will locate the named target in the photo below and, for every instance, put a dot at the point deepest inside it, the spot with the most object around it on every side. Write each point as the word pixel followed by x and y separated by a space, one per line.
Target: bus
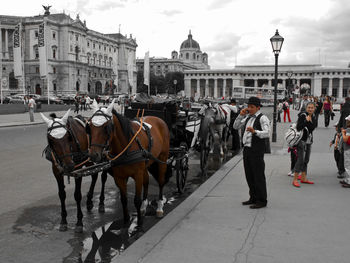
pixel 266 94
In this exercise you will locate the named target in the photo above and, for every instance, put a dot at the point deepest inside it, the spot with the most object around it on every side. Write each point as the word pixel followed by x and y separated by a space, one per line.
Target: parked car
pixel 68 99
pixel 16 99
pixel 53 100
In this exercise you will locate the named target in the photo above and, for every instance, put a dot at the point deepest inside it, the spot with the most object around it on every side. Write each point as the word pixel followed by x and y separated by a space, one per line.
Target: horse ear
pixel 47 120
pixel 110 107
pixel 94 106
pixel 65 117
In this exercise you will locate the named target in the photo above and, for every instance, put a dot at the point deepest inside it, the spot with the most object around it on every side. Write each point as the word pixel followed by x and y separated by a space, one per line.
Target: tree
pixel 169 82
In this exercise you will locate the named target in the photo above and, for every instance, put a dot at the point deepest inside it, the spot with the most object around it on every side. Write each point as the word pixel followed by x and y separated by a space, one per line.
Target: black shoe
pixel 249 202
pixel 257 206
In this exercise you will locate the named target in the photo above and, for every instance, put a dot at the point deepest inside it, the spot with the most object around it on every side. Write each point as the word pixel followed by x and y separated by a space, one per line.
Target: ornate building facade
pixel 191 58
pixel 78 58
pixel 220 83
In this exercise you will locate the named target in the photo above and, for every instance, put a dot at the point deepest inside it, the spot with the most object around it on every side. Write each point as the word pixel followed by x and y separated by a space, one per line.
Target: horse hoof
pixel 63 228
pixel 159 214
pixel 78 229
pixel 101 209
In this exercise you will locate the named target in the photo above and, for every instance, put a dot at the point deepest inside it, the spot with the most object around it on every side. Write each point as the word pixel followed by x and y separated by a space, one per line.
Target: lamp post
pixel 276 42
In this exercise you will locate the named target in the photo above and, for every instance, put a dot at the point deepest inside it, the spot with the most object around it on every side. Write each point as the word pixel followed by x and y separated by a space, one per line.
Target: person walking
pixel 319 105
pixel 256 129
pixel 307 123
pixel 76 104
pixel 279 110
pixel 285 108
pixel 327 110
pixel 31 106
pixel 236 144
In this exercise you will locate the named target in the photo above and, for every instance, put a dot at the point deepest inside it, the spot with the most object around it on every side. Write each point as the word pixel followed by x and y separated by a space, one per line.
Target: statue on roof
pixel 47 9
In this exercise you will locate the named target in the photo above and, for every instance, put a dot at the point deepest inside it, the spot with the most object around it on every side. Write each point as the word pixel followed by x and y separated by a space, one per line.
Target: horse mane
pixel 124 123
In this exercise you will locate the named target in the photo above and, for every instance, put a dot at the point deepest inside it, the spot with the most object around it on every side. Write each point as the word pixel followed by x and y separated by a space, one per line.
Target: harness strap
pixel 131 141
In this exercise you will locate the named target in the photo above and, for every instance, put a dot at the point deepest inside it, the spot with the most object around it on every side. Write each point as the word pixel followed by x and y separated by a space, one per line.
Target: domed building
pixel 191 58
pixel 190 52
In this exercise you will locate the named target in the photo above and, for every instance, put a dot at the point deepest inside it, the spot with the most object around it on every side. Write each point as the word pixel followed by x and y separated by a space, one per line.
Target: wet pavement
pixel 30 215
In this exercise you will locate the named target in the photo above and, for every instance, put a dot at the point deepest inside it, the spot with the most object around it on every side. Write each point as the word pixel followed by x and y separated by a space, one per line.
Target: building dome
pixel 190 43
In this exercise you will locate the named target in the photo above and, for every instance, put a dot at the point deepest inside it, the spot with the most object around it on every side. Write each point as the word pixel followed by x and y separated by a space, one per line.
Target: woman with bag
pixel 327 110
pixel 307 123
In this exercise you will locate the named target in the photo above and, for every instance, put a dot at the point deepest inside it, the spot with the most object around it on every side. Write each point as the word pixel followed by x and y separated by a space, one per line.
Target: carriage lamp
pixel 276 42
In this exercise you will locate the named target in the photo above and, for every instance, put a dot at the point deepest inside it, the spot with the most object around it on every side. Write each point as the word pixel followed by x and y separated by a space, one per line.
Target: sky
pixel 232 32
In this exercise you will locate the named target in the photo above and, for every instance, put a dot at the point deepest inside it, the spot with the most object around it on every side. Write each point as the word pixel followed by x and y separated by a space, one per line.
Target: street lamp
pixel 276 42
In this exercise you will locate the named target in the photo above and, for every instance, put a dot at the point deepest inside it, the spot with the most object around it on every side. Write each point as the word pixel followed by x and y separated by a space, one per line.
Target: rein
pixel 131 141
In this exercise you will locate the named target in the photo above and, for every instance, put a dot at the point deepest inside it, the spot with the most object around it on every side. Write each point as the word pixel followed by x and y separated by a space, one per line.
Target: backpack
pixel 284 107
pixel 293 136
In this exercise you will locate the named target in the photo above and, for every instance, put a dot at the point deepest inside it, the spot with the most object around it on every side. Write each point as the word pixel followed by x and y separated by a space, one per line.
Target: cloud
pixel 170 13
pixel 217 4
pixel 109 4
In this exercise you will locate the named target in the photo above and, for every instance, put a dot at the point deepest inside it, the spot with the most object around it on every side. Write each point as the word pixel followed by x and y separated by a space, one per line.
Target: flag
pixel 17 51
pixel 115 68
pixel 42 50
pixel 131 68
pixel 146 69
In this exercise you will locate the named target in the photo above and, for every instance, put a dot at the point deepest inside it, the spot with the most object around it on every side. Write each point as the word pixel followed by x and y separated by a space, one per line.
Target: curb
pixel 145 244
pixel 6 125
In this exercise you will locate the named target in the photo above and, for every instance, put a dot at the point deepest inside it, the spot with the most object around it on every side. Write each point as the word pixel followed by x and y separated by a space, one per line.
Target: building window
pixel 115 50
pixel 36 51
pixel 88 44
pixel 53 35
pixel 93 45
pixel 109 49
pixel 187 56
pixel 54 70
pixel 99 47
pixel 95 75
pixel 54 86
pixel 78 72
pixel 76 37
pixel 104 48
pixel 37 70
pixel 106 76
pixel 54 53
pixel 101 75
pixel 194 56
pixel 36 34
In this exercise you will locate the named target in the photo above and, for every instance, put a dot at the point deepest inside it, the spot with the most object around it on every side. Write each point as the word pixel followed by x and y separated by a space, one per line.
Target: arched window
pixel 194 56
pixel 77 86
pixel 54 52
pixel 187 56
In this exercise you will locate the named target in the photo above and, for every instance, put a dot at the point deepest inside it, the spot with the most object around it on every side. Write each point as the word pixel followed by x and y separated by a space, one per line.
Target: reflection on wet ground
pixel 110 240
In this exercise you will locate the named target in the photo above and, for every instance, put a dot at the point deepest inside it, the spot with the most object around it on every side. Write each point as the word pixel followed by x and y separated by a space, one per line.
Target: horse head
pixel 99 129
pixel 60 141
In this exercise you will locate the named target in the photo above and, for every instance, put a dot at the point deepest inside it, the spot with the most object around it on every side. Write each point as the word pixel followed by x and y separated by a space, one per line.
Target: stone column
pixel 316 86
pixel 340 89
pixel 6 44
pixel 215 88
pixel 206 87
pixel 255 83
pixel 270 83
pixel 224 88
pixel 330 87
pixel 188 87
pixel 298 83
pixel 198 92
pixel 0 40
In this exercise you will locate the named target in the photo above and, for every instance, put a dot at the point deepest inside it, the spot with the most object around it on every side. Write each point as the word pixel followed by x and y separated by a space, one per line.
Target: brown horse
pixel 67 147
pixel 110 131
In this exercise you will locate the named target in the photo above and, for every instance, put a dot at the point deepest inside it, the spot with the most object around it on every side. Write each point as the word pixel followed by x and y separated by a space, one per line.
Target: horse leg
pixel 145 193
pixel 101 205
pixel 62 196
pixel 78 197
pixel 90 194
pixel 161 182
pixel 137 198
pixel 121 183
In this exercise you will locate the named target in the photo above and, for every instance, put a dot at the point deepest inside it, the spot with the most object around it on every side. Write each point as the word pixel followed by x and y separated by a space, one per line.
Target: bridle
pixel 109 128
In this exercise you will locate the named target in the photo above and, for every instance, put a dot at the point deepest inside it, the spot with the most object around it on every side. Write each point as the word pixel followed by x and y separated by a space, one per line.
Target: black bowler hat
pixel 254 101
pixel 233 101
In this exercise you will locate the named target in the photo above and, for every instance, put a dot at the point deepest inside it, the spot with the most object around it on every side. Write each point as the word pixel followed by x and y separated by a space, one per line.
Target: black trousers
pixel 327 116
pixel 339 159
pixel 236 143
pixel 254 167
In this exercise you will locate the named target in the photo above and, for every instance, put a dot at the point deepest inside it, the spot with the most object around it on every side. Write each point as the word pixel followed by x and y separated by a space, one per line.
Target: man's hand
pixel 244 111
pixel 250 129
pixel 308 118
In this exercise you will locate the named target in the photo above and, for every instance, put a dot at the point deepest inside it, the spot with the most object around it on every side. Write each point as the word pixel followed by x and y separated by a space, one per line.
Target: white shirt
pixel 31 103
pixel 247 136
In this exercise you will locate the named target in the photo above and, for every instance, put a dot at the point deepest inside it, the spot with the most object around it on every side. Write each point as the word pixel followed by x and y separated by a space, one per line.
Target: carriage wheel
pixel 204 155
pixel 181 173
